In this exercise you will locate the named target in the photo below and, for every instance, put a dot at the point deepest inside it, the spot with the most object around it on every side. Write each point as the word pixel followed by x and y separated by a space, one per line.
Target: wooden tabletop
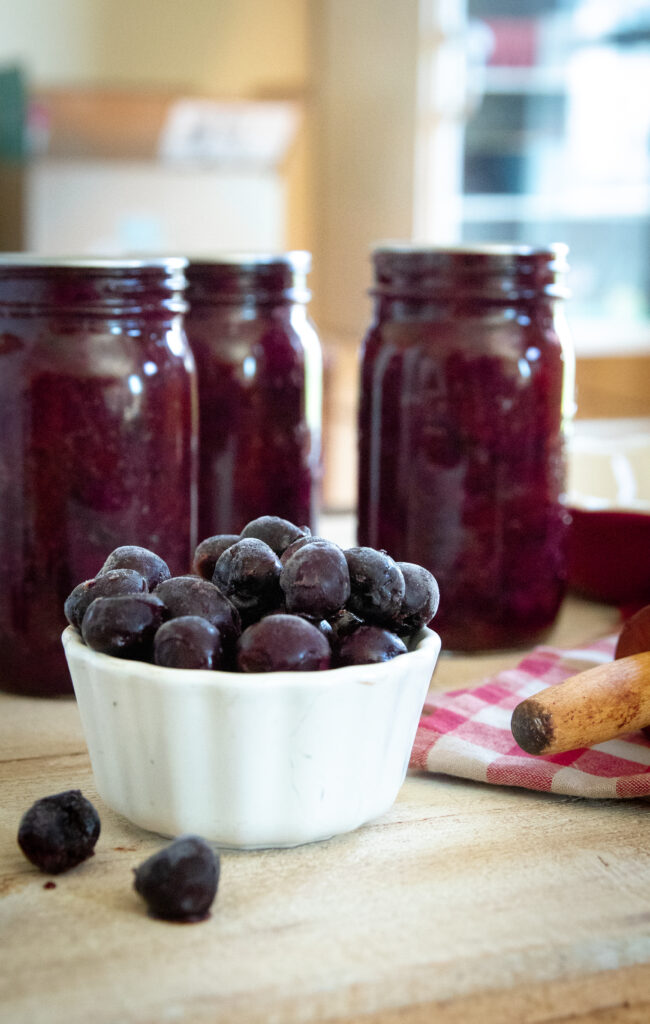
pixel 466 902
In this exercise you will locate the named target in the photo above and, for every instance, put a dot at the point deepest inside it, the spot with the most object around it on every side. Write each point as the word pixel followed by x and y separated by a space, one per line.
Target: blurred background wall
pixel 103 75
pixel 226 47
pixel 330 125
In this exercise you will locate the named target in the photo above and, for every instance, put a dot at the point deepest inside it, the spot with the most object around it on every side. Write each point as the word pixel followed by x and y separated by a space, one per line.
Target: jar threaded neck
pixel 498 273
pixel 116 288
pixel 250 278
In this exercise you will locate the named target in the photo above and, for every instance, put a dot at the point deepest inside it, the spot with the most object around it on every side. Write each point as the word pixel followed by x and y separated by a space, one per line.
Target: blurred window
pixel 553 144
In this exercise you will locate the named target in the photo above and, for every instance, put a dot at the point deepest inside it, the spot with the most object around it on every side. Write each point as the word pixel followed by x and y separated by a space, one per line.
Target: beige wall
pixel 352 63
pixel 365 88
pixel 225 47
pixel 218 48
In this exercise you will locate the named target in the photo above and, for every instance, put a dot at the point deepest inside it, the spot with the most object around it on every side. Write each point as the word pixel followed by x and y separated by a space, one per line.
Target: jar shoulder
pixel 499 333
pixel 95 347
pixel 232 334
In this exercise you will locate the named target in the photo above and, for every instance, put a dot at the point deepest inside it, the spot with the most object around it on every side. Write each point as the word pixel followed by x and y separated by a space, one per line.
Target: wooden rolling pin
pixel 595 705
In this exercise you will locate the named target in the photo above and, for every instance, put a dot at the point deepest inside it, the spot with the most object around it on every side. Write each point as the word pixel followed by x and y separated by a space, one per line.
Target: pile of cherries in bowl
pixel 272 598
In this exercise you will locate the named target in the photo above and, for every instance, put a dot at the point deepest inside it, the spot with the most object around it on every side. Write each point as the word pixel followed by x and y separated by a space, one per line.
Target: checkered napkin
pixel 467 733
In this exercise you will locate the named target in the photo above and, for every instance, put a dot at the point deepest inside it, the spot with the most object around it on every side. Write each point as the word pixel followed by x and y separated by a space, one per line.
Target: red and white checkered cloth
pixel 467 733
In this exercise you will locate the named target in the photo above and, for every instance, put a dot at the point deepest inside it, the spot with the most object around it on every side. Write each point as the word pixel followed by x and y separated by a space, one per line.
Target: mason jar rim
pixel 558 250
pixel 297 259
pixel 497 271
pixel 478 248
pixel 25 259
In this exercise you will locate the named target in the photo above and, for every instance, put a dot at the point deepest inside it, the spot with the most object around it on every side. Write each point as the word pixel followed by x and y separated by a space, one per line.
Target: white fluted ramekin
pixel 250 760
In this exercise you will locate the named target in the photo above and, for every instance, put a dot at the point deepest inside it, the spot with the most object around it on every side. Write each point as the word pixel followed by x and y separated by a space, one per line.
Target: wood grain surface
pixel 464 903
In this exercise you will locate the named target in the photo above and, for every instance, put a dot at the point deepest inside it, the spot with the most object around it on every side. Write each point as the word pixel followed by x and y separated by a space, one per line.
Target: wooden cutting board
pixel 464 903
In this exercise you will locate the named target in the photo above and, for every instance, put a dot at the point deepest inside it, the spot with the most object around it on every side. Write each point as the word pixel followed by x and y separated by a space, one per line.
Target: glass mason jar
pixel 260 381
pixel 97 440
pixel 467 386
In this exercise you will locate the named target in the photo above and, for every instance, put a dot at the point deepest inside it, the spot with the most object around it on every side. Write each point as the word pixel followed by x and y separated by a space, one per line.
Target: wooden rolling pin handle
pixel 588 708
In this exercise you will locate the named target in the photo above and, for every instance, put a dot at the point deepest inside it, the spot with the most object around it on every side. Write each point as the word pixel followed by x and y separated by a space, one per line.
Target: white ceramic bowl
pixel 250 760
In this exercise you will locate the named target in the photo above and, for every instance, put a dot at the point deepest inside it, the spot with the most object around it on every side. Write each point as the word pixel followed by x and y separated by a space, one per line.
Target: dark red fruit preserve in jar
pixel 259 369
pixel 466 389
pixel 97 440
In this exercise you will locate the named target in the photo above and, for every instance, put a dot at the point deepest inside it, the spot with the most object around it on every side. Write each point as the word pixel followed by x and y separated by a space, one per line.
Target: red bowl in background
pixel 609 501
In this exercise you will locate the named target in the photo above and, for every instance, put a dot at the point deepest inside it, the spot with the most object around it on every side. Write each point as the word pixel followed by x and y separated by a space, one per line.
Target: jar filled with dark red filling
pixel 466 389
pixel 97 440
pixel 260 379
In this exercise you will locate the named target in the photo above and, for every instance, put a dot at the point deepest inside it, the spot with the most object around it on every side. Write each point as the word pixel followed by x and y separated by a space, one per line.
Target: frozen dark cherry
pixel 297 544
pixel 421 598
pixel 60 831
pixel 110 584
pixel 315 580
pixel 188 642
pixel 322 625
pixel 146 562
pixel 192 595
pixel 123 626
pixel 377 586
pixel 282 643
pixel 344 622
pixel 274 569
pixel 208 552
pixel 634 637
pixel 277 533
pixel 179 883
pixel 248 573
pixel 368 645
